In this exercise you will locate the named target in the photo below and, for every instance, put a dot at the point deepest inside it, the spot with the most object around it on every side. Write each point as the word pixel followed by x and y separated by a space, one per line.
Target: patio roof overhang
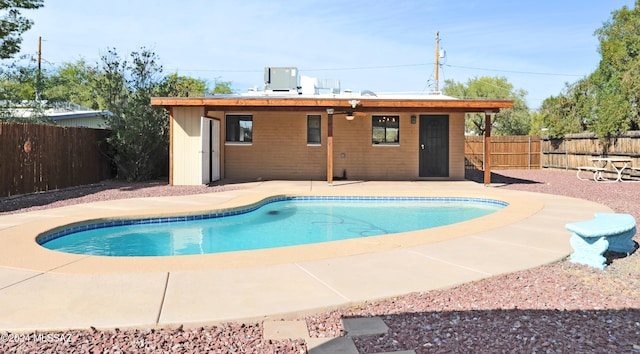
pixel 365 104
pixel 231 103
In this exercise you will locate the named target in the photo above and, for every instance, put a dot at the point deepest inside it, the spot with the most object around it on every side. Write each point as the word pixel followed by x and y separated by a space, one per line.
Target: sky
pixel 382 46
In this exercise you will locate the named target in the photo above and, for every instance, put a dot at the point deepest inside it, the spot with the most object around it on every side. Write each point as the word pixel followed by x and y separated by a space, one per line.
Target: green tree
pixel 17 83
pixel 572 111
pixel 74 83
pixel 617 76
pixel 554 118
pixel 140 134
pixel 175 85
pixel 512 121
pixel 607 101
pixel 222 87
pixel 18 86
pixel 13 24
pixel 537 125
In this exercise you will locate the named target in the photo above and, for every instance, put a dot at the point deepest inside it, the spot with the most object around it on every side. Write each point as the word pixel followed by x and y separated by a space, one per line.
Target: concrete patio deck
pixel 46 290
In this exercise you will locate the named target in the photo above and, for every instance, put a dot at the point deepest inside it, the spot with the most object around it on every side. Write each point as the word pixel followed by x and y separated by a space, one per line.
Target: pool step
pixel 357 326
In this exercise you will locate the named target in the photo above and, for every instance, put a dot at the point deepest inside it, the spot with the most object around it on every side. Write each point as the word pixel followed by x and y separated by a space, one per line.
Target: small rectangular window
pixel 313 129
pixel 385 129
pixel 239 128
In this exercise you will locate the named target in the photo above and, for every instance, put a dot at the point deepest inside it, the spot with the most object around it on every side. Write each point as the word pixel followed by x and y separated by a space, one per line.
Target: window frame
pixel 240 118
pixel 389 122
pixel 314 129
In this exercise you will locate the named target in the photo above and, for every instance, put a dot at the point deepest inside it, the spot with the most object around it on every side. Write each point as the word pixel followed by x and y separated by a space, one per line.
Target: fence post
pixel 484 157
pixel 529 162
pixel 566 155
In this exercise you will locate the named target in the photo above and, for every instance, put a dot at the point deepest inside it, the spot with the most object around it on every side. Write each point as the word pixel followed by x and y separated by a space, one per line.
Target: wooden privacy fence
pixel 36 157
pixel 507 152
pixel 576 150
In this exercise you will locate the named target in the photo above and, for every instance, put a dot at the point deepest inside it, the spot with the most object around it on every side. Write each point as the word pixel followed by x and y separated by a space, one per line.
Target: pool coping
pixel 245 285
pixel 100 223
pixel 45 260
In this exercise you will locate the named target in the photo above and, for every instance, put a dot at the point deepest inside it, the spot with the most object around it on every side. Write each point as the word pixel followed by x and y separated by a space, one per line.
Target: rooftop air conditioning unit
pixel 281 79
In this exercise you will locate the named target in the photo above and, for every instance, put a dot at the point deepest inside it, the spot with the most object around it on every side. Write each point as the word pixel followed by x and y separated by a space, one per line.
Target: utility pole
pixel 437 90
pixel 39 54
pixel 39 75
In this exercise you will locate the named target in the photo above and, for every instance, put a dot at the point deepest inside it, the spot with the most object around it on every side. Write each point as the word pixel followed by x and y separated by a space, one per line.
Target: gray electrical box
pixel 281 79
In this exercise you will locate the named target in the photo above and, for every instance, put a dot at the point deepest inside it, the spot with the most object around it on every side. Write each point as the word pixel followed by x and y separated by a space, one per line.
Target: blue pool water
pixel 278 222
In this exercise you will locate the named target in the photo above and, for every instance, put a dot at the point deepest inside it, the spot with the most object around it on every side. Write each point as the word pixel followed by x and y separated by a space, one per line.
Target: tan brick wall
pixel 280 151
pixel 456 146
pixel 355 153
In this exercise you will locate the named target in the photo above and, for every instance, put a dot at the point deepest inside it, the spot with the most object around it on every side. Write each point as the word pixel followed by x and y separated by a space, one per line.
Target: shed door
pixel 434 146
pixel 210 139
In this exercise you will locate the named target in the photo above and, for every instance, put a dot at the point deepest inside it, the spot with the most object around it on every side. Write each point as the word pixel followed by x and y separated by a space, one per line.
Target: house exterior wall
pixel 279 131
pixel 279 149
pixel 355 154
pixel 456 146
pixel 96 122
pixel 186 145
pixel 361 159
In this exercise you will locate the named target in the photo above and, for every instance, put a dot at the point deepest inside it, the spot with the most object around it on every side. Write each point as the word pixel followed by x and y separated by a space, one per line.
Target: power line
pixel 375 67
pixel 514 71
pixel 309 70
pixel 496 86
pixel 380 67
pixel 218 70
pixel 367 67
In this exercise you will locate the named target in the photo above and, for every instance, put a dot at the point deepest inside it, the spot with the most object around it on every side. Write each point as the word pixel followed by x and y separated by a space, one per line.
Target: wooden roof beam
pixel 321 104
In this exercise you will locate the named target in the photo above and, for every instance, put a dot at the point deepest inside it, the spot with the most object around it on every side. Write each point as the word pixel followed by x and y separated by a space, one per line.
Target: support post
pixel 330 146
pixel 487 148
pixel 171 137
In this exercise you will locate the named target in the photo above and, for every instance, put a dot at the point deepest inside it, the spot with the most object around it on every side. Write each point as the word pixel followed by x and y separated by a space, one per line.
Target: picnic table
pixel 619 164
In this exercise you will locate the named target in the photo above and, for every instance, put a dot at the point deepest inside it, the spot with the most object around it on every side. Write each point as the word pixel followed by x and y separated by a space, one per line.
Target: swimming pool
pixel 274 222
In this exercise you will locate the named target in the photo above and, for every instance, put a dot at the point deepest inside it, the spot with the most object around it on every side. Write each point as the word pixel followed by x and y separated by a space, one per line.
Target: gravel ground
pixel 556 308
pixel 107 190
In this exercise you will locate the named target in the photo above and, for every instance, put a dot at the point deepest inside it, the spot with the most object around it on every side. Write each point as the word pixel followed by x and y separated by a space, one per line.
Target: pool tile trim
pixel 86 226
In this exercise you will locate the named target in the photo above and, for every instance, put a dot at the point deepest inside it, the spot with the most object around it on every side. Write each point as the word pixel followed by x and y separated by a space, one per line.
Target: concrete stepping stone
pixel 364 326
pixel 361 326
pixel 278 330
pixel 339 345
